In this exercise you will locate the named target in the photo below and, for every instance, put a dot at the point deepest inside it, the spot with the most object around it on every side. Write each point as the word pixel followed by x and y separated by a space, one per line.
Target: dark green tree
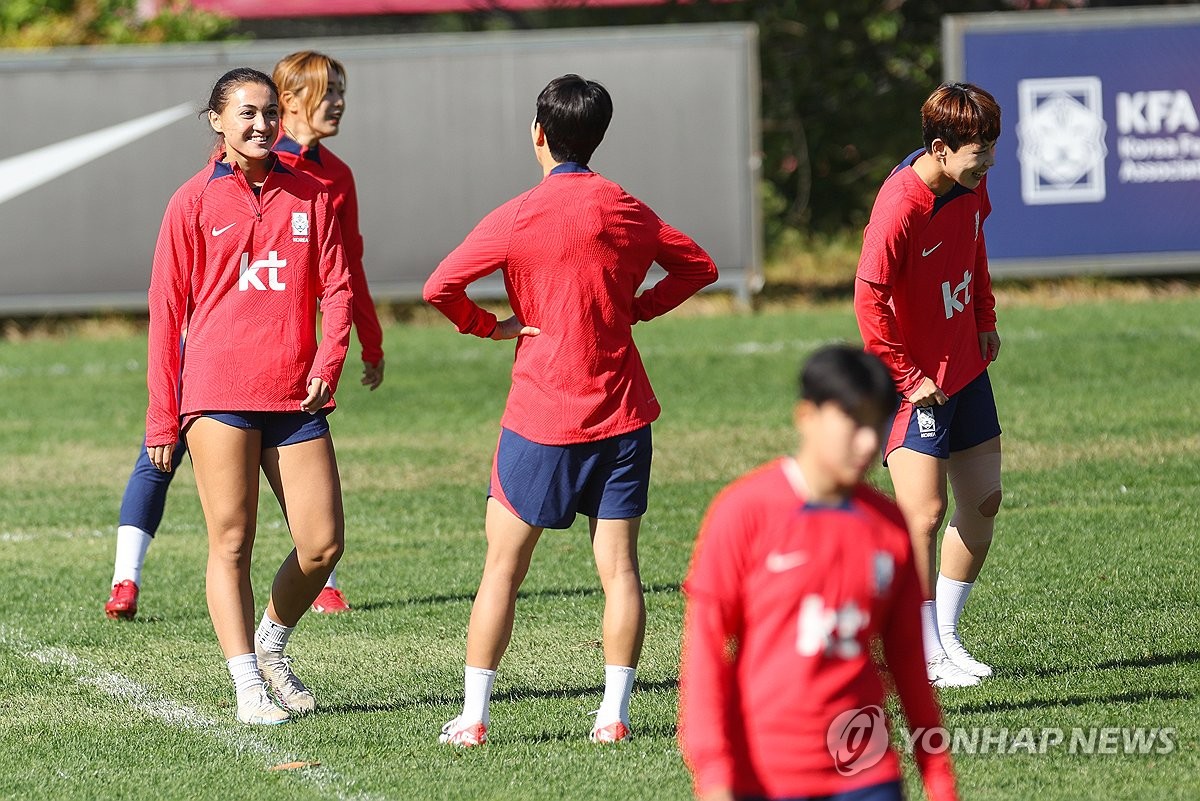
pixel 842 85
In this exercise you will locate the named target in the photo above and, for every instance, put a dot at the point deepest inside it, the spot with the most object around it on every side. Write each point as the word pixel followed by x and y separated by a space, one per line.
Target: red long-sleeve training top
pixel 924 292
pixel 242 273
pixel 573 250
pixel 784 601
pixel 321 163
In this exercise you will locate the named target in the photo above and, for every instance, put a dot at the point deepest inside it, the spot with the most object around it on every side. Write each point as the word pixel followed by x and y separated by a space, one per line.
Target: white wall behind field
pixel 436 131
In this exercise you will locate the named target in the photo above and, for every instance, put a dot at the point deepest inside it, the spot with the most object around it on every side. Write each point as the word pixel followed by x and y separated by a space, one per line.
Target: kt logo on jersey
pixel 950 297
pixel 249 273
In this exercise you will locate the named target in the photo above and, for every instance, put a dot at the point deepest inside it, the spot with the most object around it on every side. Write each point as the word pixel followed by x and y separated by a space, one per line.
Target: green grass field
pixel 1088 606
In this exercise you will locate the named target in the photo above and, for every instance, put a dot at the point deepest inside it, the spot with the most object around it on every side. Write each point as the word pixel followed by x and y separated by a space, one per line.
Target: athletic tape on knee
pixel 975 480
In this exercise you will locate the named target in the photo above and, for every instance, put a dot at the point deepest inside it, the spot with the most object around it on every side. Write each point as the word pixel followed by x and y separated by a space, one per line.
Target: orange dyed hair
pixel 956 113
pixel 306 75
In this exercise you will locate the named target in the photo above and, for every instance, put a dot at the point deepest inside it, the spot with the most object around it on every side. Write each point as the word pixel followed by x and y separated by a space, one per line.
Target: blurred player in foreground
pixel 800 569
pixel 924 302
pixel 575 435
pixel 312 90
pixel 246 250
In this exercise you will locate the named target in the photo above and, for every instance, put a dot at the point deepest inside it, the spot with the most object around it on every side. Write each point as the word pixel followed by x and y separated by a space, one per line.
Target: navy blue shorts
pixel 547 485
pixel 967 419
pixel 888 791
pixel 278 428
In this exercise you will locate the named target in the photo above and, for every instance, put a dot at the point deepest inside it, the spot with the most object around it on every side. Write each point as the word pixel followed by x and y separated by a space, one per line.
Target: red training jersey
pixel 573 250
pixel 784 602
pixel 242 273
pixel 924 293
pixel 335 175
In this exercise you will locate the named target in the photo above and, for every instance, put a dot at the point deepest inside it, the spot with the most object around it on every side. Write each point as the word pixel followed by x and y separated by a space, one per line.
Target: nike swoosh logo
pixel 19 174
pixel 219 231
pixel 783 562
pixel 935 247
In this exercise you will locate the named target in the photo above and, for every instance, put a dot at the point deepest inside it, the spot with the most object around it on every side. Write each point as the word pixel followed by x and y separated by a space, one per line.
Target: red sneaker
pixel 122 604
pixel 330 602
pixel 616 732
pixel 456 733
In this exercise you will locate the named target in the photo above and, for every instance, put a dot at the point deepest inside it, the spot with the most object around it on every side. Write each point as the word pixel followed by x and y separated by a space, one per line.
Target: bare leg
pixel 614 544
pixel 225 461
pixel 510 548
pixel 920 483
pixel 305 479
pixel 975 478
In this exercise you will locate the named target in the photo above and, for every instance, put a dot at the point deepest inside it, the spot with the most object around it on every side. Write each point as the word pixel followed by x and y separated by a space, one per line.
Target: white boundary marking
pixel 240 739
pixel 30 536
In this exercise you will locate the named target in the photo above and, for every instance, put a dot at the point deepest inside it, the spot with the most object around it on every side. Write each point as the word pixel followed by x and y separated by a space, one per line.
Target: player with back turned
pixel 575 435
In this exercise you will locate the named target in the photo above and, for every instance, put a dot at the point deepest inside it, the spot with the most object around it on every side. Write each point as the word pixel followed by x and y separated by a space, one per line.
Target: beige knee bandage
pixel 975 480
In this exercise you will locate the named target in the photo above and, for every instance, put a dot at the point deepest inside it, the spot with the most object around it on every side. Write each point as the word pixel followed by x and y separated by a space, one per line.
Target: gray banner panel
pixel 93 142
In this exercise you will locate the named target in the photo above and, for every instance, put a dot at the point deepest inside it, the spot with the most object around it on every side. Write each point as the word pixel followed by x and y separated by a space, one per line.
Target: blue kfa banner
pixel 1098 165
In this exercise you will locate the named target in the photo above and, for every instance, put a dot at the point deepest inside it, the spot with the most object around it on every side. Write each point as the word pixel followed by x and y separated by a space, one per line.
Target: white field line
pixel 59 370
pixel 62 534
pixel 239 739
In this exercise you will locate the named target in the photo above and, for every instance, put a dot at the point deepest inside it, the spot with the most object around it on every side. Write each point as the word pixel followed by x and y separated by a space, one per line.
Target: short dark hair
pixel 850 377
pixel 574 114
pixel 958 113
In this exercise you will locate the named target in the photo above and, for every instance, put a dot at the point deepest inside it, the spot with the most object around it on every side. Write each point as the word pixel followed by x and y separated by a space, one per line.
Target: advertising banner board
pixel 1098 165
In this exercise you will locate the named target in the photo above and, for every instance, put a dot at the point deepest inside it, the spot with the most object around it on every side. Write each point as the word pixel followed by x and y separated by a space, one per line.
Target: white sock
pixel 243 670
pixel 618 686
pixel 477 692
pixel 929 630
pixel 271 637
pixel 951 598
pixel 132 543
pixel 332 580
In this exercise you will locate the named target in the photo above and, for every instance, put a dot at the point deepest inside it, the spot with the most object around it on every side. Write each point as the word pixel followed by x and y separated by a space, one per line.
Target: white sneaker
pixel 464 735
pixel 615 732
pixel 255 708
pixel 962 658
pixel 944 673
pixel 276 670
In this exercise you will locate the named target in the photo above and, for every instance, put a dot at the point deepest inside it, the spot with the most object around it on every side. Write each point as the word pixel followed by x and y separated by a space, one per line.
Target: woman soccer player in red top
pixel 312 99
pixel 575 435
pixel 247 248
pixel 799 569
pixel 924 302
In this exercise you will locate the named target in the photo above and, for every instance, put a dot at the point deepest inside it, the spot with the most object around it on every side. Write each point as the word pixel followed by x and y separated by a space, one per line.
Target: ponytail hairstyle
pixel 225 86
